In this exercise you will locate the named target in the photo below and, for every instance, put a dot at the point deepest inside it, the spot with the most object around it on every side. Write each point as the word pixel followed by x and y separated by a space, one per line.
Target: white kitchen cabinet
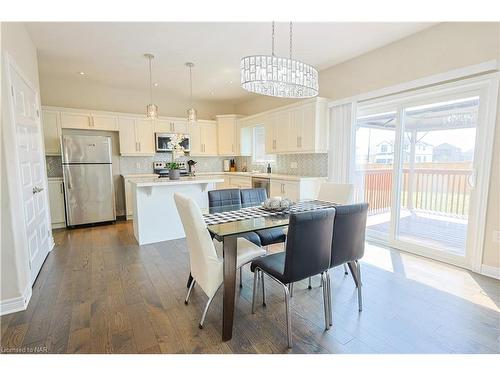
pixel 171 125
pixel 203 138
pixel 239 182
pixel 285 189
pixel 51 123
pixel 74 120
pixel 56 202
pixel 227 135
pixel 277 126
pixel 136 136
pixel 104 122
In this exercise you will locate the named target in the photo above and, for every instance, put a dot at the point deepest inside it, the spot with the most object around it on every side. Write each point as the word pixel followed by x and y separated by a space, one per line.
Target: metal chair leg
pixel 325 300
pixel 360 299
pixel 290 288
pixel 309 286
pixel 263 289
pixel 189 291
pixel 205 311
pixel 241 277
pixel 345 269
pixel 288 316
pixel 255 279
pixel 329 291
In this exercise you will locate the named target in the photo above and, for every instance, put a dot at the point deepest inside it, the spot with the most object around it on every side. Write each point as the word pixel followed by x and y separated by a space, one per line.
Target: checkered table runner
pixel 258 211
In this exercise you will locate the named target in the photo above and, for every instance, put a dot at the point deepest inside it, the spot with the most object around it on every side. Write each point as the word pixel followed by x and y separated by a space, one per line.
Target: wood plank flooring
pixel 99 292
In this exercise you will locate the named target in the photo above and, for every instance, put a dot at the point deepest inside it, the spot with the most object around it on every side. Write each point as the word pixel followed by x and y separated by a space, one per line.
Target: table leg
pixel 230 249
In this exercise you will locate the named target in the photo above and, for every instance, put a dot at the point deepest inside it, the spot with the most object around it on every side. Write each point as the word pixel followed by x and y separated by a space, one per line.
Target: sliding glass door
pixel 415 163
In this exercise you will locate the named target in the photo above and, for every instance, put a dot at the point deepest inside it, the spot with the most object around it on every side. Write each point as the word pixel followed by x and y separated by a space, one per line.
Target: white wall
pixel 438 49
pixel 15 275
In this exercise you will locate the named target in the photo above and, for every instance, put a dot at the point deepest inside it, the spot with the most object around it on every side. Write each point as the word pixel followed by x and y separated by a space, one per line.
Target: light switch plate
pixel 293 165
pixel 137 165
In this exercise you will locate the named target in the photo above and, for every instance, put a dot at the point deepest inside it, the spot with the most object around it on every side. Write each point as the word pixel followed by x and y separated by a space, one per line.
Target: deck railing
pixel 441 191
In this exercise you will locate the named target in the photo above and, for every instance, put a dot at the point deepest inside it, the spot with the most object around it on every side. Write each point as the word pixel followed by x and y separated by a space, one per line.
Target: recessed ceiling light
pixel 156 84
pixel 81 73
pixel 212 93
pixel 230 81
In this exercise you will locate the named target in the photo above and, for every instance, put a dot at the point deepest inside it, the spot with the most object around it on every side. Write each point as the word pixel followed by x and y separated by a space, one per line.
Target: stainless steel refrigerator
pixel 88 179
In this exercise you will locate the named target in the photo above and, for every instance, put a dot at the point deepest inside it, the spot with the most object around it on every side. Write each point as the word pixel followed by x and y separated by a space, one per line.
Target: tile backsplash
pixel 54 166
pixel 315 165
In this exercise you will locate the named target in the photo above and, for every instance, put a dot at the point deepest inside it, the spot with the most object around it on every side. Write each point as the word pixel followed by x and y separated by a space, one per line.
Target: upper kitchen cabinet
pixel 228 135
pixel 277 127
pixel 93 121
pixel 203 138
pixel 105 122
pixel 136 136
pixel 51 123
pixel 171 125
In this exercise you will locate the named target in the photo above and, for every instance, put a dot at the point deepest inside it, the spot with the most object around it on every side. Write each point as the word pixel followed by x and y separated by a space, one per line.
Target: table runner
pixel 257 211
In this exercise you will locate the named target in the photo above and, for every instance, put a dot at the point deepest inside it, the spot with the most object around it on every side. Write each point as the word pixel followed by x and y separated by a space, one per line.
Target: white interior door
pixel 33 181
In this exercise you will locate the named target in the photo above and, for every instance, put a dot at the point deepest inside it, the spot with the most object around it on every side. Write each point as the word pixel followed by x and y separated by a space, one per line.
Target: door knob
pixel 37 189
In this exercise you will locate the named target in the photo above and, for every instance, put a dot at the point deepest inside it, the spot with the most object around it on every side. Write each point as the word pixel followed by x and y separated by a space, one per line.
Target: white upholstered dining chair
pixel 206 261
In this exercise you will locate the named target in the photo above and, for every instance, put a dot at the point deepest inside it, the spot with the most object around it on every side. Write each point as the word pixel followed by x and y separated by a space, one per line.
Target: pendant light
pixel 279 76
pixel 191 112
pixel 151 109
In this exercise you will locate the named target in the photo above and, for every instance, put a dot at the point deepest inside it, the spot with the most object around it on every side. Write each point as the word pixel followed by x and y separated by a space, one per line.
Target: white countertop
pixel 275 176
pixel 155 181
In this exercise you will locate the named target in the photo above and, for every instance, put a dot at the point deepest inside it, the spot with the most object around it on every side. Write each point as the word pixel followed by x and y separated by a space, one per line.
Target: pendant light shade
pixel 280 77
pixel 151 109
pixel 192 116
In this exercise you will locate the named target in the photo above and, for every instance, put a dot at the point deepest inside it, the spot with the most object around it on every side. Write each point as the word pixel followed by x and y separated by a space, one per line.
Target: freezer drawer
pixel 86 149
pixel 89 193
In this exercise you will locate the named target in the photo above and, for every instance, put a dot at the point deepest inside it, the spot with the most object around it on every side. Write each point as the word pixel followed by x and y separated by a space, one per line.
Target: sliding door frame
pixel 487 85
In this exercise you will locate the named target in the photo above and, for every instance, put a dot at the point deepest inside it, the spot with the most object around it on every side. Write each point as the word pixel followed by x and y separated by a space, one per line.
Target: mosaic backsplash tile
pixel 313 165
pixel 54 166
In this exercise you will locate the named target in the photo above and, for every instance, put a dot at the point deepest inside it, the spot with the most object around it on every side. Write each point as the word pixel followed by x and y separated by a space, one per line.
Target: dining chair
pixel 348 244
pixel 267 236
pixel 307 253
pixel 206 263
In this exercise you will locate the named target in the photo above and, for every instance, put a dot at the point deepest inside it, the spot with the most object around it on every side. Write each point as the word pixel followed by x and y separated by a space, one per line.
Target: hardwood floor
pixel 99 292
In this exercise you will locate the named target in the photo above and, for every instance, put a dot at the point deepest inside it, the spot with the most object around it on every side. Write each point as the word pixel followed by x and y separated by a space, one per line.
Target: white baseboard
pixel 16 304
pixel 490 271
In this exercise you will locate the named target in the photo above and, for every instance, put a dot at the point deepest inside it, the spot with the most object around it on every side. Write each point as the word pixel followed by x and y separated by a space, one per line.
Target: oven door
pixel 163 142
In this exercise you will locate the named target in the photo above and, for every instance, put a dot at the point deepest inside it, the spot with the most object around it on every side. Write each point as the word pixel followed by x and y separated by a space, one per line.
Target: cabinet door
pixel 56 201
pixel 269 125
pixel 163 126
pixel 291 190
pixel 75 120
pixel 308 129
pixel 104 122
pixel 295 129
pixel 276 188
pixel 208 136
pixel 226 136
pixel 195 139
pixel 180 126
pixel 144 135
pixel 51 132
pixel 281 129
pixel 126 135
pixel 128 198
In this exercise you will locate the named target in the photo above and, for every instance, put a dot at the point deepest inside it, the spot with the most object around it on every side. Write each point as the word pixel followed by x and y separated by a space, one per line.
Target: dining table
pixel 227 223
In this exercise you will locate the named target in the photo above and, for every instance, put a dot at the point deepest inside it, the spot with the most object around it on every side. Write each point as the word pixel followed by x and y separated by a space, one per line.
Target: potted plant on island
pixel 174 172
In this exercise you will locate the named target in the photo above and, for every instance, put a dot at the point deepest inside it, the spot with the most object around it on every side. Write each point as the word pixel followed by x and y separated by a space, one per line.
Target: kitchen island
pixel 155 216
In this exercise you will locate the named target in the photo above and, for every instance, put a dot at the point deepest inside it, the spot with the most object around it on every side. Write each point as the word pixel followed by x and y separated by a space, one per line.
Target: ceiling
pixel 111 53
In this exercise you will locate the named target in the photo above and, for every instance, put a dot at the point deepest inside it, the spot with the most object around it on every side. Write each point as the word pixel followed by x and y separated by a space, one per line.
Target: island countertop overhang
pixel 150 182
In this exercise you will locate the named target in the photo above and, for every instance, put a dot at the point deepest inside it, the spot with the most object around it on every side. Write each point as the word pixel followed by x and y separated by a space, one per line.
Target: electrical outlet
pixel 137 165
pixel 496 236
pixel 293 165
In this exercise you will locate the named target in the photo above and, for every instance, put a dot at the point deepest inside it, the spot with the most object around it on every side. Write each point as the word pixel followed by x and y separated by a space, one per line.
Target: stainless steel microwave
pixel 162 142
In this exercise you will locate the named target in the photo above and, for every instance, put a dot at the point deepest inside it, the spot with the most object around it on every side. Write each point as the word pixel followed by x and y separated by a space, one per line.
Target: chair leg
pixel 360 299
pixel 345 269
pixel 325 300
pixel 329 290
pixel 205 311
pixel 190 279
pixel 288 316
pixel 263 289
pixel 241 277
pixel 189 290
pixel 309 286
pixel 255 279
pixel 290 288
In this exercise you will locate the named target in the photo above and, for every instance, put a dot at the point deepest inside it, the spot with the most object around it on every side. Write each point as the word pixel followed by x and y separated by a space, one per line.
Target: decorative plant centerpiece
pixel 176 146
pixel 174 172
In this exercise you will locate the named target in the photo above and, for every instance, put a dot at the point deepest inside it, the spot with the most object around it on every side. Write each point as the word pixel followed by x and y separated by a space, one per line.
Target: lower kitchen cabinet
pixel 56 201
pixel 305 188
pixel 239 182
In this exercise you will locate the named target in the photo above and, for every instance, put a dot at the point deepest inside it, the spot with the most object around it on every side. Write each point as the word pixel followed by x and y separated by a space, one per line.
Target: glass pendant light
pixel 191 112
pixel 151 109
pixel 279 76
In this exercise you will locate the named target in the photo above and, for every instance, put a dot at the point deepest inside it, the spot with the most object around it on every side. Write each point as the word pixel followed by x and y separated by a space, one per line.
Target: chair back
pixel 224 197
pixel 206 267
pixel 349 227
pixel 308 245
pixel 254 195
pixel 336 193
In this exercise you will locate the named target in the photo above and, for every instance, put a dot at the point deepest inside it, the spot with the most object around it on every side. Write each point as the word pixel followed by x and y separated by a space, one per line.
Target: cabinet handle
pixel 232 148
pixel 139 146
pixel 300 142
pixel 61 187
